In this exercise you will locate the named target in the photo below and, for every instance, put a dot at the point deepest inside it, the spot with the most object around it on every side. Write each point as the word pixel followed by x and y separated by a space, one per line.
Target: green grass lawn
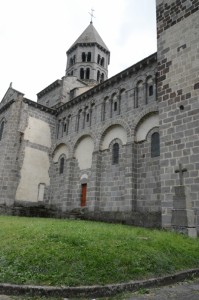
pixel 73 253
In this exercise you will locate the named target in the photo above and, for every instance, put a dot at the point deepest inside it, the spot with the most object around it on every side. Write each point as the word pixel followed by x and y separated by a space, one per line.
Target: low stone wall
pixel 27 209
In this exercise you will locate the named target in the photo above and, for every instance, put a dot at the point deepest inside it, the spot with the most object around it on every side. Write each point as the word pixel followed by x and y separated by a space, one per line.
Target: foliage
pixel 73 253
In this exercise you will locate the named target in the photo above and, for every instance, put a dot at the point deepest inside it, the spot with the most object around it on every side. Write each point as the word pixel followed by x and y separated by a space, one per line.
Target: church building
pixel 120 149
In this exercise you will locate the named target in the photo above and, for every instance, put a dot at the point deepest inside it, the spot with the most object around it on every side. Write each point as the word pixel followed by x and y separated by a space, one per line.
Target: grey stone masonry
pixel 178 97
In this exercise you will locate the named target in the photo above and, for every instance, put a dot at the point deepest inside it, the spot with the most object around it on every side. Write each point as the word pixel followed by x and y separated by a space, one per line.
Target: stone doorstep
pixel 96 291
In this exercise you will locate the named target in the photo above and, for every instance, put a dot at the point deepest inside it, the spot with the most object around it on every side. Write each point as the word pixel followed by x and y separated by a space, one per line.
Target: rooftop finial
pixel 91 14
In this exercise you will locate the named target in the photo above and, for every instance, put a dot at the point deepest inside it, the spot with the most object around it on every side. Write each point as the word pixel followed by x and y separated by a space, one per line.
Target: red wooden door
pixel 83 197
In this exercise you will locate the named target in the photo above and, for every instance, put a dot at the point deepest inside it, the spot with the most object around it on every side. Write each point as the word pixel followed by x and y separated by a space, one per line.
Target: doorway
pixel 83 195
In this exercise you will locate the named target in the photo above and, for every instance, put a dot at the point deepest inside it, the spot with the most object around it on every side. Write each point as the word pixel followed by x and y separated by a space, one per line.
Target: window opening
pixel 89 56
pixel 83 56
pixel 81 73
pixel 87 73
pixel 98 75
pixel 150 90
pixel 102 77
pixel 115 106
pixel 115 157
pixel 98 59
pixel 61 166
pixel 1 130
pixel 155 144
pixel 64 126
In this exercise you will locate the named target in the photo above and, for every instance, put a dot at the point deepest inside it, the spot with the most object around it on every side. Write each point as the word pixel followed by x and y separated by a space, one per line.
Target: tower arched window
pixel 87 73
pixel 102 77
pixel 98 59
pixel 83 56
pixel 155 144
pixel 71 61
pixel 1 130
pixel 98 76
pixel 89 56
pixel 115 106
pixel 61 166
pixel 151 90
pixel 115 154
pixel 74 59
pixel 102 62
pixel 81 73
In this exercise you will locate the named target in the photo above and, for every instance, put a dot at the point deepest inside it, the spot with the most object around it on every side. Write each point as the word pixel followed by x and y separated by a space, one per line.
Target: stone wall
pixel 107 114
pixel 178 96
pixel 9 149
pixel 148 177
pixel 37 129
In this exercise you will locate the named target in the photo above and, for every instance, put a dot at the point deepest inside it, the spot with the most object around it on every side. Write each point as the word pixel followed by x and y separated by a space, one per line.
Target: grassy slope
pixel 64 252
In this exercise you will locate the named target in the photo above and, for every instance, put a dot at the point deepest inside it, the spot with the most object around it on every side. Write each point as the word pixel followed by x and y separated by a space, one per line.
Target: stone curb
pixel 97 290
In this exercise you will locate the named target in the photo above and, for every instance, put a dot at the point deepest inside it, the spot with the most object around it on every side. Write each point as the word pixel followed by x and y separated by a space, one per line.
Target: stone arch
pixel 120 122
pixel 151 73
pixel 113 132
pixel 151 131
pixel 145 124
pixel 83 151
pixel 80 136
pixel 139 79
pixel 60 149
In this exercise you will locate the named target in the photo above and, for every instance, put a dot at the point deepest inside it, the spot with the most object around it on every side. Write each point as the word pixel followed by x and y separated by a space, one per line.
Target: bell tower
pixel 88 58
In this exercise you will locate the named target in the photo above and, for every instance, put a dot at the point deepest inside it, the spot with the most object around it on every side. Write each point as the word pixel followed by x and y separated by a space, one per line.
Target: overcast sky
pixel 35 34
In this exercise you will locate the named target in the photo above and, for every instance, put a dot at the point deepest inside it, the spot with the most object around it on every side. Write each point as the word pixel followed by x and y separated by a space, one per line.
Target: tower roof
pixel 89 36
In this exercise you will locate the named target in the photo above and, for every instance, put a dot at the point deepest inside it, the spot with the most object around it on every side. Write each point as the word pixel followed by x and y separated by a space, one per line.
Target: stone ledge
pixel 97 290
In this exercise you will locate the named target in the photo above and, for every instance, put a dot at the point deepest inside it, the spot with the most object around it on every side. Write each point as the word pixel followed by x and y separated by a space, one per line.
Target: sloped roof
pixel 89 36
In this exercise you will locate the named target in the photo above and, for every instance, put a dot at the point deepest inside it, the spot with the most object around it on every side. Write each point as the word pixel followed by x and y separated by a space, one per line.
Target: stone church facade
pixel 124 149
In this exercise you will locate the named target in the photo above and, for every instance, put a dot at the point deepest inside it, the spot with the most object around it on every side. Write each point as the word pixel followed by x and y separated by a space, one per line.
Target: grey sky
pixel 35 34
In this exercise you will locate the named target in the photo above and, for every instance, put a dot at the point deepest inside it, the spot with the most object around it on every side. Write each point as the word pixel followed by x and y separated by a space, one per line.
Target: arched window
pixel 64 124
pixel 1 130
pixel 89 56
pixel 87 73
pixel 115 154
pixel 71 61
pixel 155 144
pixel 115 106
pixel 151 90
pixel 61 166
pixel 102 77
pixel 74 59
pixel 98 59
pixel 102 62
pixel 98 76
pixel 83 56
pixel 68 124
pixel 81 73
pixel 87 118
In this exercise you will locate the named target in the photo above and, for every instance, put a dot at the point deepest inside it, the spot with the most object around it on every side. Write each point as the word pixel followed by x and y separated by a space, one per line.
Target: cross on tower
pixel 181 171
pixel 91 14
